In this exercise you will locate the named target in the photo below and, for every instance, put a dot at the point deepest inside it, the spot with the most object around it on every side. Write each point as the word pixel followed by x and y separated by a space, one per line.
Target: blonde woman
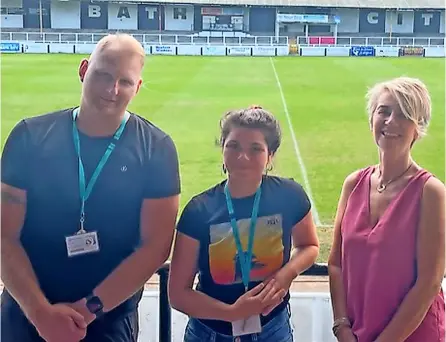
pixel 388 255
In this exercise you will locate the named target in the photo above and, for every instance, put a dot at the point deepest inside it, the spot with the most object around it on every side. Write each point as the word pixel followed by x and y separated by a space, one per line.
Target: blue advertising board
pixel 358 51
pixel 10 47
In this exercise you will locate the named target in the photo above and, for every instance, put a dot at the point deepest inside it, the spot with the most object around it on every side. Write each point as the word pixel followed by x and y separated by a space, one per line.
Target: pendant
pixel 381 188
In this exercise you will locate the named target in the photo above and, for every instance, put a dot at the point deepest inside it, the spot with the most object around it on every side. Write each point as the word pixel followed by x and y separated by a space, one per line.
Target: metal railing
pixel 165 310
pixel 377 41
pixel 162 39
pixel 233 40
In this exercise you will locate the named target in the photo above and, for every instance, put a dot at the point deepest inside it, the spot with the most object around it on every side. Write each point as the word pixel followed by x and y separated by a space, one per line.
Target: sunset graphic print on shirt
pixel 267 256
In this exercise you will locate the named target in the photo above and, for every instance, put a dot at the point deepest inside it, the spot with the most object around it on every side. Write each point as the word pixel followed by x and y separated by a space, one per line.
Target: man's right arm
pixel 53 322
pixel 17 274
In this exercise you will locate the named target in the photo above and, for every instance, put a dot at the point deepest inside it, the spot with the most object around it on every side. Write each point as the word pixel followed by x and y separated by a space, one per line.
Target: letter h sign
pixel 179 13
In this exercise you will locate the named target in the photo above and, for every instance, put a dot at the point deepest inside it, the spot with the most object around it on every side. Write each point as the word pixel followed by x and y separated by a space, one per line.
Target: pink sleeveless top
pixel 379 263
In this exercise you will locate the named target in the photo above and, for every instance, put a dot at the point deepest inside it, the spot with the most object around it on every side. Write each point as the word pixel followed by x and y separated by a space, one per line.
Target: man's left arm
pixel 159 212
pixel 158 218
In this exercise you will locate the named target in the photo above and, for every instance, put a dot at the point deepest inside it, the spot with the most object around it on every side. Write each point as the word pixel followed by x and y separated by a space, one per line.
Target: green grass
pixel 186 96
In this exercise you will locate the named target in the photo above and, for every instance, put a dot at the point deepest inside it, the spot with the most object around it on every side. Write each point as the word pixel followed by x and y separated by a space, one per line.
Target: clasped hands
pixel 263 298
pixel 68 321
pixel 63 321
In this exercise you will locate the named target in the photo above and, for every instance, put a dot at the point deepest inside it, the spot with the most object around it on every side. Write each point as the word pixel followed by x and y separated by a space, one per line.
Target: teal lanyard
pixel 244 258
pixel 85 191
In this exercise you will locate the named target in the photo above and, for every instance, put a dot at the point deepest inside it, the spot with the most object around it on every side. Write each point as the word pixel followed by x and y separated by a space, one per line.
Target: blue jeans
pixel 277 329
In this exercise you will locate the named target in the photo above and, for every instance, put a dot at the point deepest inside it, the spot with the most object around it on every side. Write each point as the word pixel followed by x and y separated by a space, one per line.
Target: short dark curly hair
pixel 254 117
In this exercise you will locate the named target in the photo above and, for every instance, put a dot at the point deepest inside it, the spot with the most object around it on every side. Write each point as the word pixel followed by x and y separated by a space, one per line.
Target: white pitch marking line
pixel 296 149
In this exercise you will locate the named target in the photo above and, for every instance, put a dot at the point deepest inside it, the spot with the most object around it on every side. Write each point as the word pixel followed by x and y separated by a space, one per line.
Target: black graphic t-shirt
pixel 205 218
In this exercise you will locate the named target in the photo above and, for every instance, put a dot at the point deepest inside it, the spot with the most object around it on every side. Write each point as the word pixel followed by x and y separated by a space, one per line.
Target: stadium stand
pixel 232 22
pixel 67 26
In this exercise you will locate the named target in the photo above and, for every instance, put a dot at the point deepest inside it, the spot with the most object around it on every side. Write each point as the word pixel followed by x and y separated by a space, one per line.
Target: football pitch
pixel 319 101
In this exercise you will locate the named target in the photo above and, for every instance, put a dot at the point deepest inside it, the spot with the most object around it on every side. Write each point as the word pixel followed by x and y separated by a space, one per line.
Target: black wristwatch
pixel 94 305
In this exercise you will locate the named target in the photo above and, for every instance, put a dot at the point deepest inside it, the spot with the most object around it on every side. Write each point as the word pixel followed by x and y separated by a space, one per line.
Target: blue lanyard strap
pixel 85 191
pixel 244 258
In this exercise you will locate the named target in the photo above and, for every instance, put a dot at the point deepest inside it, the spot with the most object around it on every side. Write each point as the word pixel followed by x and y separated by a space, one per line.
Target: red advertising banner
pixel 211 10
pixel 412 51
pixel 322 40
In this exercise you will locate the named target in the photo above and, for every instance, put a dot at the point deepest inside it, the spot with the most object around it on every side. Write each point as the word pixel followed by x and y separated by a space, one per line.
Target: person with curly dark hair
pixel 248 237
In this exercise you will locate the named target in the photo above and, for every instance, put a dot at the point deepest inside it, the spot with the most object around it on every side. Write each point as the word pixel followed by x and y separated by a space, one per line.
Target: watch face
pixel 94 304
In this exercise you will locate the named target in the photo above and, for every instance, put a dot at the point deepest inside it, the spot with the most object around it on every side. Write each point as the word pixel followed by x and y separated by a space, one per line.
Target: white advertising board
pixel 283 51
pixel 214 51
pixel 164 50
pixel 387 51
pixel 312 51
pixel 264 51
pixel 84 48
pixel 239 51
pixel 147 49
pixel 35 48
pixel 189 50
pixel 434 51
pixel 339 51
pixel 61 48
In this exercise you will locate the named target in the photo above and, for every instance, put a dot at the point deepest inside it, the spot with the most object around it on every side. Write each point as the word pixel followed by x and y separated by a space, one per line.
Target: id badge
pixel 82 244
pixel 247 326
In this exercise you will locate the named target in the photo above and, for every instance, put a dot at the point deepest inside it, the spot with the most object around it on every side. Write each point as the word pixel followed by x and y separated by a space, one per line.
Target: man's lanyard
pixel 244 257
pixel 85 191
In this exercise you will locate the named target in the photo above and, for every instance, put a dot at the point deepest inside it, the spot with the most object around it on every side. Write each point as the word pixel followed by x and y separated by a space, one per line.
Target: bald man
pixel 89 203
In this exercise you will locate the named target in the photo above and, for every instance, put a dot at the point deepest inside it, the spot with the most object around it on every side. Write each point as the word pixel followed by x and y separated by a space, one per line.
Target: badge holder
pixel 250 325
pixel 82 242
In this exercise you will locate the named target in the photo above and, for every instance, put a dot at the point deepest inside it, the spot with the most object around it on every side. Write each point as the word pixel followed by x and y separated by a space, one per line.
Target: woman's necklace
pixel 382 186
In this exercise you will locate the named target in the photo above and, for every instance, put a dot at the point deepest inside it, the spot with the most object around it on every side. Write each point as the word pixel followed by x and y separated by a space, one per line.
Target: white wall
pixel 311 318
pixel 11 20
pixel 442 21
pixel 65 14
pixel 392 22
pixel 183 23
pixel 118 21
pixel 294 27
pixel 349 20
pixel 246 17
pixel 11 3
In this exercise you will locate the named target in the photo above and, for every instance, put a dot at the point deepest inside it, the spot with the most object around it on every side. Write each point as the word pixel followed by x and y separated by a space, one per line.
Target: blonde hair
pixel 412 97
pixel 122 42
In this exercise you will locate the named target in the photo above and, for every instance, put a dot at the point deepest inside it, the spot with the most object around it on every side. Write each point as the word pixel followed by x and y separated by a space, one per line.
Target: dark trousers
pixel 15 327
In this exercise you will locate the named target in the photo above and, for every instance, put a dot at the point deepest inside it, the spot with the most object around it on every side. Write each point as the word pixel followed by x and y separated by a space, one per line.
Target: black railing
pixel 165 311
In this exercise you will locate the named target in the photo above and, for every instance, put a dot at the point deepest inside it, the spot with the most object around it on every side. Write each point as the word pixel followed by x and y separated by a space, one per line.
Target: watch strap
pixel 94 305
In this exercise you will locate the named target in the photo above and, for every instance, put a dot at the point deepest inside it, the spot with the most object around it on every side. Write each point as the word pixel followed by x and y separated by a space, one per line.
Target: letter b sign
pixel 94 11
